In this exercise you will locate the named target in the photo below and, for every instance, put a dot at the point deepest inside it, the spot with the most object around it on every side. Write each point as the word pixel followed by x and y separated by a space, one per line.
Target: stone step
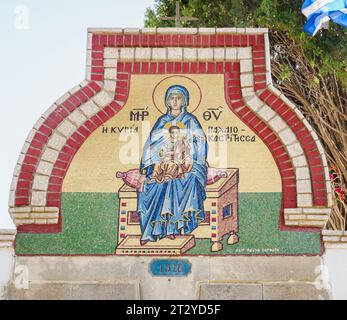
pixel 131 246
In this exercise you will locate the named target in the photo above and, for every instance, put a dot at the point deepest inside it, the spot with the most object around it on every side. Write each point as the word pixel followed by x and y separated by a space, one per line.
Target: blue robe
pixel 176 206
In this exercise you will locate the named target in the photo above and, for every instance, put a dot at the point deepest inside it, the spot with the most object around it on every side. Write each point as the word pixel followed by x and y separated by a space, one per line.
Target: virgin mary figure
pixel 171 191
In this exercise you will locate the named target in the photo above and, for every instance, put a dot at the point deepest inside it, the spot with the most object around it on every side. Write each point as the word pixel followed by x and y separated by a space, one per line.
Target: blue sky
pixel 39 64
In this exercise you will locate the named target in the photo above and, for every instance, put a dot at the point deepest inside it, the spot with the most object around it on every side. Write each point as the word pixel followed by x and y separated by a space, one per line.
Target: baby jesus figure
pixel 175 160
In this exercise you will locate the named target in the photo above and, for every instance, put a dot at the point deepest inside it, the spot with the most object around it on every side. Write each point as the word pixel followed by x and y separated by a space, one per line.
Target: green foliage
pixel 328 50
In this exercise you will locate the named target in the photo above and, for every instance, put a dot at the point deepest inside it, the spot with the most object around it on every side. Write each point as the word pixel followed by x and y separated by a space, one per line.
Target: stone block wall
pixel 212 278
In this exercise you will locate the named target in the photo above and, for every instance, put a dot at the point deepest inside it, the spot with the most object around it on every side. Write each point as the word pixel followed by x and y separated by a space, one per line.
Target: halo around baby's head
pixel 177 89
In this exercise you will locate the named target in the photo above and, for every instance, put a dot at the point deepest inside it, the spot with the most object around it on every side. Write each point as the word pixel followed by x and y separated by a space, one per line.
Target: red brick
pixel 65 157
pixel 78 138
pixel 193 67
pixel 54 188
pixel 22 201
pixel 221 40
pixel 167 40
pixel 53 196
pixel 61 165
pixel 73 144
pixel 122 91
pixel 291 117
pixel 175 40
pixel 153 68
pixel 55 204
pixel 290 192
pixel 258 70
pixel 257 55
pixel 279 151
pixel 109 111
pixel 248 117
pixel 288 174
pixel 178 67
pixel 243 112
pixel 127 41
pixel 97 63
pixel 28 168
pixel 235 96
pixel 45 130
pixel 266 94
pixel 90 125
pixel 103 40
pixel 30 160
pixel 56 181
pixel 252 40
pixel 286 166
pixel 260 78
pixel 151 40
pixel 111 41
pixel 320 202
pixel 228 40
pixel 211 68
pixel 97 55
pixel 160 40
pixel 103 116
pixel 37 144
pixel 237 104
pixel 256 121
pixel 244 41
pixel 259 62
pixel 121 97
pixel 197 41
pixel 82 96
pixel 61 111
pixel 260 39
pixel 23 184
pixel 236 41
pixel 95 39
pixel 185 68
pixel 98 70
pixel 205 41
pixel 219 67
pixel 96 77
pixel 144 67
pixel 260 86
pixel 26 176
pixel 119 40
pixel 271 138
pixel 274 145
pixel 58 172
pixel 98 48
pixel 213 40
pixel 136 69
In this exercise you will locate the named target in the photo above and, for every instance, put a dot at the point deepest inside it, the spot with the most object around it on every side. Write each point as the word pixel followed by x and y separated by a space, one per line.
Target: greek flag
pixel 319 12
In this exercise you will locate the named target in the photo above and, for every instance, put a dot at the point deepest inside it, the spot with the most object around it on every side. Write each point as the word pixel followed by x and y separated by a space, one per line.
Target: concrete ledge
pixel 335 239
pixel 215 291
pixel 7 237
pixel 294 291
pixel 84 277
pixel 178 30
pixel 307 217
pixel 262 291
pixel 76 291
pixel 34 215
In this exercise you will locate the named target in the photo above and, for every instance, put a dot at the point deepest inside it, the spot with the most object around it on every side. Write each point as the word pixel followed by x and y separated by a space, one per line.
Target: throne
pixel 221 219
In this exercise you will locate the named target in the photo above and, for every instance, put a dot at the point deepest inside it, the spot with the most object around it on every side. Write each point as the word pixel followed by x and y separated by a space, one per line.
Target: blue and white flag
pixel 319 12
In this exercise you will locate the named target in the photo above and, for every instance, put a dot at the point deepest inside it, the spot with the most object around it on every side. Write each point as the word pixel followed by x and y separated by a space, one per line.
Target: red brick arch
pixel 234 98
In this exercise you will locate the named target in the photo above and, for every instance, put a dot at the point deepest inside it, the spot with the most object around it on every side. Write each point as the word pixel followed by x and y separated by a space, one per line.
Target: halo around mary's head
pixel 177 89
